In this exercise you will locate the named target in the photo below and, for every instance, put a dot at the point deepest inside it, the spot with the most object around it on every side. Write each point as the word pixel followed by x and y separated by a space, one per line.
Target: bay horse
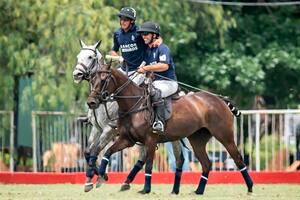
pixel 197 116
pixel 103 122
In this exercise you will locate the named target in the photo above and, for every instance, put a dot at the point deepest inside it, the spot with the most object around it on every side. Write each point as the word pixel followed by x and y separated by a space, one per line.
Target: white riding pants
pixel 166 87
pixel 134 76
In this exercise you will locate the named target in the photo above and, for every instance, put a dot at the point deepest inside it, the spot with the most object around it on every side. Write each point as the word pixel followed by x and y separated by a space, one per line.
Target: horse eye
pixel 90 57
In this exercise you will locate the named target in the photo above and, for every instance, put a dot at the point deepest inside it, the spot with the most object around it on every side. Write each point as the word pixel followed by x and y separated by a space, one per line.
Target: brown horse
pixel 197 116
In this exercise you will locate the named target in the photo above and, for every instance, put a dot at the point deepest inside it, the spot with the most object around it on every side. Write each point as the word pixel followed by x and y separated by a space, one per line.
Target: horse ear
pixel 97 44
pixel 82 44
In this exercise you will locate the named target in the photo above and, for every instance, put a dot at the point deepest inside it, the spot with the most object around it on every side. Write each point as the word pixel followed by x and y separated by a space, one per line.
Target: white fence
pixel 267 139
pixel 6 140
pixel 59 140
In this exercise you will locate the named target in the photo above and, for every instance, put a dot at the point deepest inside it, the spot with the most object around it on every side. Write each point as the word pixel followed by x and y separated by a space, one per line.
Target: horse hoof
pixel 125 187
pixel 250 190
pixel 88 187
pixel 144 191
pixel 101 180
pixel 175 192
pixel 198 192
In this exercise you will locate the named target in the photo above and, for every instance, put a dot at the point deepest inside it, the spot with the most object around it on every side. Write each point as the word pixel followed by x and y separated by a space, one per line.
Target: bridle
pixel 87 74
pixel 104 96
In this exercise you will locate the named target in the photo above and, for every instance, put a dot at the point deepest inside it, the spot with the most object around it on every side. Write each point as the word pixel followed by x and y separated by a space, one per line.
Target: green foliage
pixel 43 37
pixel 270 37
pixel 236 51
pixel 226 71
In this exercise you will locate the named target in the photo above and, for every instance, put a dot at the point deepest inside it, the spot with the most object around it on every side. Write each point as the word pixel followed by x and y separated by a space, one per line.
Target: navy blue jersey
pixel 132 47
pixel 161 54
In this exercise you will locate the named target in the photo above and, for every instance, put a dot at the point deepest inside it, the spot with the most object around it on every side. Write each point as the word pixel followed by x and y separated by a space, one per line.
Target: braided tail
pixel 235 111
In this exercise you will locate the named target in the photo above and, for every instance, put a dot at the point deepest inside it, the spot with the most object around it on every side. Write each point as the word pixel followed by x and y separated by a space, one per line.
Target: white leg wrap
pixel 245 168
pixel 104 158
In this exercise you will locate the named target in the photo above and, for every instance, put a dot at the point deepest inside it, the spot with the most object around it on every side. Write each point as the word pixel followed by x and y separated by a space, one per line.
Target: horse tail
pixel 235 111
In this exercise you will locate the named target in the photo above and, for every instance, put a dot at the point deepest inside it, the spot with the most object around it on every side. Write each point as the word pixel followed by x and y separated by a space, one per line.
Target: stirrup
pixel 158 127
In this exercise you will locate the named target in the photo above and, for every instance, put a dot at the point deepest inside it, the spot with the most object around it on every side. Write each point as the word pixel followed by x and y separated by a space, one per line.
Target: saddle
pixel 168 103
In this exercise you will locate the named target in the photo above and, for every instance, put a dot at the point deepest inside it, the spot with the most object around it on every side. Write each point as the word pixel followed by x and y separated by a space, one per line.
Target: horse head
pixel 103 85
pixel 110 84
pixel 88 60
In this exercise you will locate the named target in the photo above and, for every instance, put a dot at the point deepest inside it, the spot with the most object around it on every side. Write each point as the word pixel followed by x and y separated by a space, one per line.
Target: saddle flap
pixel 168 102
pixel 168 107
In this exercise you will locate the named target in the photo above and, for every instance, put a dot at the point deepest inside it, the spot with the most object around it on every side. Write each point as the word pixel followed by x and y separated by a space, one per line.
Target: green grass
pixel 159 192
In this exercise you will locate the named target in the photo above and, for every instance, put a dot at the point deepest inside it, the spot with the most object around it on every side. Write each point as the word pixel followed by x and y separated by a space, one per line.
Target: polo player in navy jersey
pixel 132 49
pixel 130 43
pixel 159 61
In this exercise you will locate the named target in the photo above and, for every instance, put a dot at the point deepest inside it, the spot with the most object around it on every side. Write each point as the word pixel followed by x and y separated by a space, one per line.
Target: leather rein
pixel 105 97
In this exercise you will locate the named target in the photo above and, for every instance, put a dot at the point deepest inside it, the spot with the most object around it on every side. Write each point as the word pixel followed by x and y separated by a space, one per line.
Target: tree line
pixel 236 51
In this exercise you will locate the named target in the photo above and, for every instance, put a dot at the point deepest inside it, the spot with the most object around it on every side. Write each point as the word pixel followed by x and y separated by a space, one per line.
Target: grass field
pixel 159 192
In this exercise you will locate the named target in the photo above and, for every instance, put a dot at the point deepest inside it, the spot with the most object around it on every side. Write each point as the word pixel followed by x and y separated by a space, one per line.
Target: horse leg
pixel 198 141
pixel 108 134
pixel 150 151
pixel 120 144
pixel 91 160
pixel 235 154
pixel 177 150
pixel 137 167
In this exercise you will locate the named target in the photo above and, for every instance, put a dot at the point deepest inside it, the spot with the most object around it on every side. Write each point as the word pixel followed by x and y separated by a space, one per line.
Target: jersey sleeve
pixel 116 44
pixel 164 55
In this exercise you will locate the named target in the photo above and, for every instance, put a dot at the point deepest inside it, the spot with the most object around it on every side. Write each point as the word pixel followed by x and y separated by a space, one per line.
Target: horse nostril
pixel 92 103
pixel 78 74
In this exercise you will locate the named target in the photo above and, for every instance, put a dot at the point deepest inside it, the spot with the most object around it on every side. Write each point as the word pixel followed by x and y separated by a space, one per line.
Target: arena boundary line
pixel 228 177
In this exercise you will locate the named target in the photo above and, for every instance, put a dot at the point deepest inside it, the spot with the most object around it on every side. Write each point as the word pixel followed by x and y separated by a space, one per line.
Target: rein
pixel 133 108
pixel 115 95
